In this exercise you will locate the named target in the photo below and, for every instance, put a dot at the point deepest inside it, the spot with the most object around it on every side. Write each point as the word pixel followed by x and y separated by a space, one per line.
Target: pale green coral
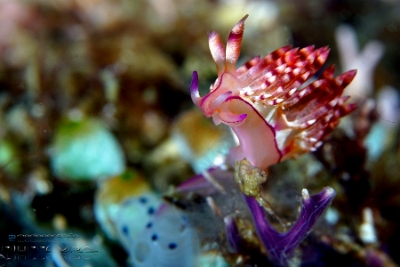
pixel 9 162
pixel 85 150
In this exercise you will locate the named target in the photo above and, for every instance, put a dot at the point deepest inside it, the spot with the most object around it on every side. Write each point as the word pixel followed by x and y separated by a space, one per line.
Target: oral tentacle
pixel 194 89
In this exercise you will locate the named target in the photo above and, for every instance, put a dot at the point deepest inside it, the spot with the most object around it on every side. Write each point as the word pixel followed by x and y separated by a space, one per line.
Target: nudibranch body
pixel 265 103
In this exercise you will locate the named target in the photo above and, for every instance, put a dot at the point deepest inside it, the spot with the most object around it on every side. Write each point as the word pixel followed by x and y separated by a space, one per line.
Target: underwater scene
pixel 199 133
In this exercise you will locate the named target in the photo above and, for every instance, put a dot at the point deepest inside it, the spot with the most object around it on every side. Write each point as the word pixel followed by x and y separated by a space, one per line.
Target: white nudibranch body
pixel 168 240
pixel 133 215
pixel 156 235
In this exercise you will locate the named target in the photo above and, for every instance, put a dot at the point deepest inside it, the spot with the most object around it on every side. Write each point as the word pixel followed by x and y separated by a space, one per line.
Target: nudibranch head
pixel 265 103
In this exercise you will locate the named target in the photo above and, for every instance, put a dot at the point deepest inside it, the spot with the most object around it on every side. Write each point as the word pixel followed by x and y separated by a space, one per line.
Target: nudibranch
pixel 272 113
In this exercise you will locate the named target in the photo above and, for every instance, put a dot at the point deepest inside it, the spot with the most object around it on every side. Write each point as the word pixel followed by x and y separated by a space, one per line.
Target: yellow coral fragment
pixel 249 178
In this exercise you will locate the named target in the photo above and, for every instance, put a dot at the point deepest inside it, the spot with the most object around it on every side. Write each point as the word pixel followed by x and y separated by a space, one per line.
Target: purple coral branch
pixel 280 246
pixel 233 236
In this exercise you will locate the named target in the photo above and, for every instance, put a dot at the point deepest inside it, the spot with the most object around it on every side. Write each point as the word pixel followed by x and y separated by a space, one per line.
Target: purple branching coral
pixel 275 117
pixel 280 246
